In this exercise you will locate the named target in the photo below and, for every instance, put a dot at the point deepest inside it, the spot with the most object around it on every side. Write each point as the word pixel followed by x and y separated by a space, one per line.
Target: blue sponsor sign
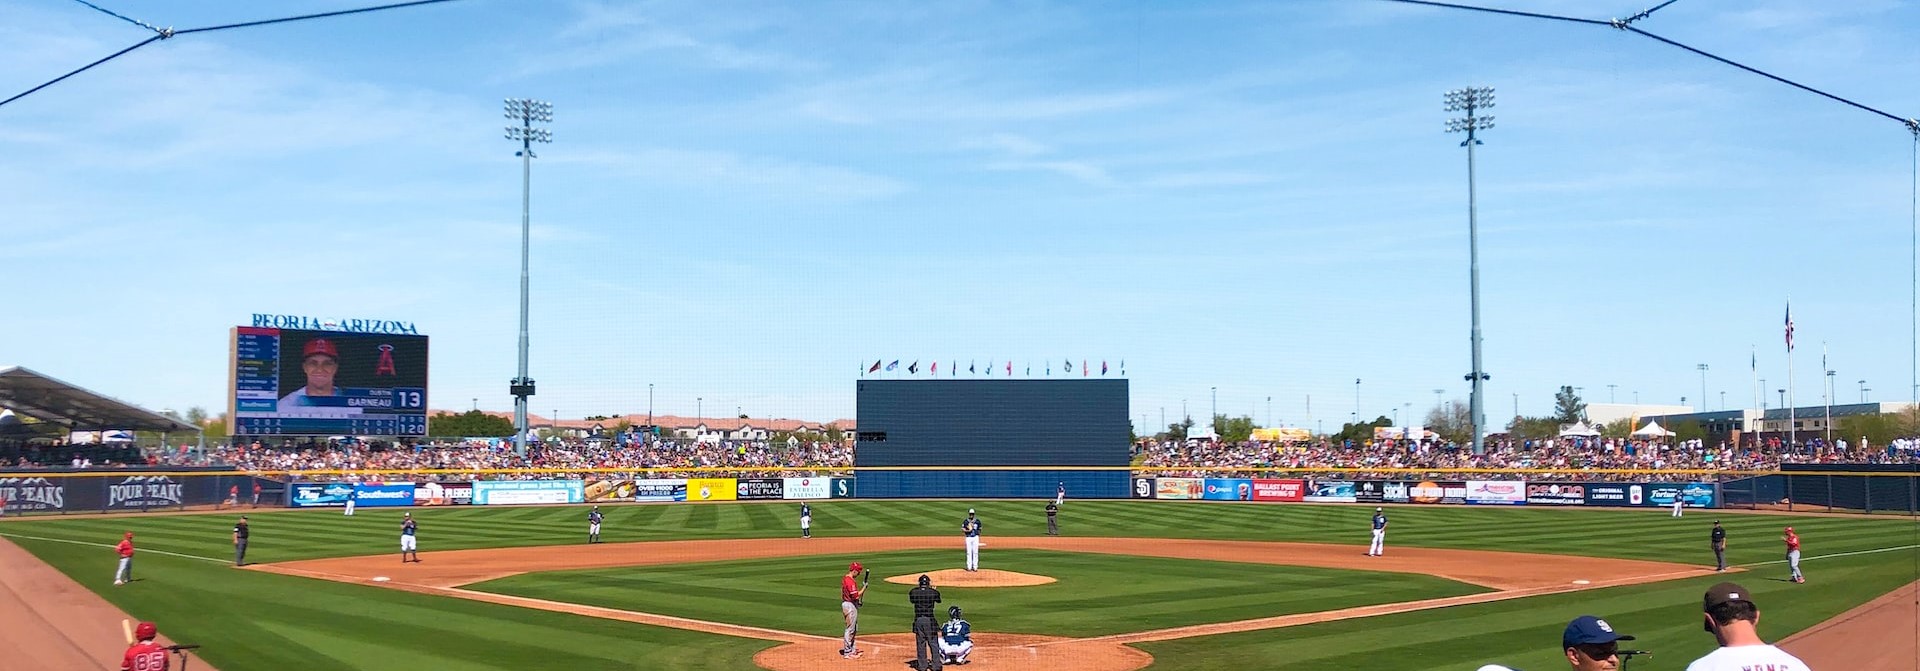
pixel 842 488
pixel 383 495
pixel 1228 489
pixel 320 494
pixel 509 492
pixel 1692 494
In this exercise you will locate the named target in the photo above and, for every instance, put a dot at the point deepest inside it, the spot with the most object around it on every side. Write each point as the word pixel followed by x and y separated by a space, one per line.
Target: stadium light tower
pixel 526 111
pixel 1471 100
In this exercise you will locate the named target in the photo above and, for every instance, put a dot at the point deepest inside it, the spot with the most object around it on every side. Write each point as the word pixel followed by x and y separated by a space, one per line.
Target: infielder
pixel 1793 554
pixel 409 545
pixel 593 525
pixel 956 637
pixel 806 521
pixel 850 594
pixel 1379 546
pixel 124 573
pixel 351 495
pixel 971 527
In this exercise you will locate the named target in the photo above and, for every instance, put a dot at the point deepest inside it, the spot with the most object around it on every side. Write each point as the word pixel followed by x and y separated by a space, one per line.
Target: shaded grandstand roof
pixel 49 400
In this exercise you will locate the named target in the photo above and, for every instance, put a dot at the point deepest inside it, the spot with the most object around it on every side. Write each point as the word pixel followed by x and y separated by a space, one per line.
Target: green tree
pixel 1233 429
pixel 471 423
pixel 1688 430
pixel 1567 406
pixel 1620 429
pixel 1453 420
pixel 1533 428
pixel 1178 431
pixel 215 428
pixel 1360 433
pixel 834 434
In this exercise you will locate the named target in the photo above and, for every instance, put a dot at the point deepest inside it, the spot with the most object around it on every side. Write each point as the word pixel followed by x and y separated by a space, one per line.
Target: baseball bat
pixel 126 628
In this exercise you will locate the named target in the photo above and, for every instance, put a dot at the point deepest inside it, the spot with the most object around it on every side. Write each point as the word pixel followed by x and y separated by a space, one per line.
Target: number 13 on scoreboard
pixel 409 398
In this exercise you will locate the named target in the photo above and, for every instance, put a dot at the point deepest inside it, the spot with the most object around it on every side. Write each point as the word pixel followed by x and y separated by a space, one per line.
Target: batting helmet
pixel 953 612
pixel 925 581
pixel 854 566
pixel 145 632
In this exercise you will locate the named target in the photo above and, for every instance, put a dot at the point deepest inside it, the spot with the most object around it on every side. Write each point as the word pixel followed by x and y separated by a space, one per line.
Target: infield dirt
pixel 51 621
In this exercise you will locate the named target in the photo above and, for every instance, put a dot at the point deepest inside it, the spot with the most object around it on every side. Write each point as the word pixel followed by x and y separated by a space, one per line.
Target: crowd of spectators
pixel 470 460
pixel 1576 458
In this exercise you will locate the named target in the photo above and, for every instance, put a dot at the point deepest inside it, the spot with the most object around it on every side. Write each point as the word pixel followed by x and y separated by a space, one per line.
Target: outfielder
pixel 1793 554
pixel 1060 495
pixel 408 544
pixel 850 595
pixel 124 573
pixel 971 527
pixel 956 637
pixel 1679 504
pixel 351 495
pixel 1379 546
pixel 806 521
pixel 593 525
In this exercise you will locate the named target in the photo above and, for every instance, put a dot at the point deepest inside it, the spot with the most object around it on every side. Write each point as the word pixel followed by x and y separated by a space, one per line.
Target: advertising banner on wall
pixel 1694 494
pixel 806 488
pixel 660 489
pixel 1612 494
pixel 608 490
pixel 1329 491
pixel 1394 491
pixel 33 494
pixel 140 492
pixel 442 493
pixel 510 492
pixel 711 489
pixel 383 495
pixel 759 489
pixel 1369 492
pixel 1143 488
pixel 1179 488
pixel 1496 492
pixel 1279 490
pixel 1556 493
pixel 843 488
pixel 1228 489
pixel 1428 491
pixel 319 494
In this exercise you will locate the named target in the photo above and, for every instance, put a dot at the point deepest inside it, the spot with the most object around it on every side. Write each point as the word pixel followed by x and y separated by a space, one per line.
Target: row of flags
pixel 973 367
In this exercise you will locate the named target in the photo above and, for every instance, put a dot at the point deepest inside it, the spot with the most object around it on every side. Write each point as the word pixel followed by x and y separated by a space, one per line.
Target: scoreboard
pixel 323 383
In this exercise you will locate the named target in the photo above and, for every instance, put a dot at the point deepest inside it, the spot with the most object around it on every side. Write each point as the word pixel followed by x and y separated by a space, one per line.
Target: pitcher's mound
pixel 985 577
pixel 894 652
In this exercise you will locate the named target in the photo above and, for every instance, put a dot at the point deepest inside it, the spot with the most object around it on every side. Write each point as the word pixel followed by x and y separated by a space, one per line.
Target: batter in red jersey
pixel 145 655
pixel 850 595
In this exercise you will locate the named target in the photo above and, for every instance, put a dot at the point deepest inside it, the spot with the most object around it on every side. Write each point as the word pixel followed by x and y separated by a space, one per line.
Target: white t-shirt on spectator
pixel 1747 658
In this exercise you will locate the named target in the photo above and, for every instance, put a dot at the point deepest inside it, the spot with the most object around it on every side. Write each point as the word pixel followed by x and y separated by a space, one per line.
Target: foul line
pixel 104 545
pixel 1837 554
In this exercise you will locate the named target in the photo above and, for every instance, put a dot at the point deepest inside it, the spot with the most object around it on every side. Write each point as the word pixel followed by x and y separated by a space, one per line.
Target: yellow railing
pixel 1145 470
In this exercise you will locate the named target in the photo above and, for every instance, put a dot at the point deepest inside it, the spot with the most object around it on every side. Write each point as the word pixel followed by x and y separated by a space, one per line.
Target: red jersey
pixel 233 491
pixel 125 548
pixel 1793 541
pixel 847 588
pixel 145 656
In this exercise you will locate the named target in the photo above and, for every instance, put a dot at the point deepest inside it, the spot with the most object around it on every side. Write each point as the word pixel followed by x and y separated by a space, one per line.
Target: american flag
pixel 1789 327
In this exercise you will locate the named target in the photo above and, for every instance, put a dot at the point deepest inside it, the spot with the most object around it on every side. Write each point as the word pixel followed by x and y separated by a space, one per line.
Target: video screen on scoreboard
pixel 295 382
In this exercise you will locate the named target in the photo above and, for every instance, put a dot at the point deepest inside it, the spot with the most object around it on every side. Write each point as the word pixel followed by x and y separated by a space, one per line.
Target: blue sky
pixel 746 201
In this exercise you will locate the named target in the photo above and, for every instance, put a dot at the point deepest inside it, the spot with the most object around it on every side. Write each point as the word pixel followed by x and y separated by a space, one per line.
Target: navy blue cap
pixel 1588 629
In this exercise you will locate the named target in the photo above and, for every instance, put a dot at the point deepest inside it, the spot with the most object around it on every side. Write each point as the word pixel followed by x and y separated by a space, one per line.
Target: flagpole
pixel 1790 375
pixel 1761 429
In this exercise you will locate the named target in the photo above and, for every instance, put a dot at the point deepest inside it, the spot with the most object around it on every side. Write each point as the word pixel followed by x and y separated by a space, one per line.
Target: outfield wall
pixel 1437 492
pixel 1872 488
pixel 880 483
pixel 128 490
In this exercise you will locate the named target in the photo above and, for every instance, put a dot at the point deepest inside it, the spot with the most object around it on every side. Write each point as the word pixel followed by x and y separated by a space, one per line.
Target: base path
pixel 50 621
pixel 1510 575
pixel 1881 634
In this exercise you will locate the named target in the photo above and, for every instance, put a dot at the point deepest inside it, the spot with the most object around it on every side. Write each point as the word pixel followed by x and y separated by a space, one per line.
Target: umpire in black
pixel 240 534
pixel 926 631
pixel 1719 541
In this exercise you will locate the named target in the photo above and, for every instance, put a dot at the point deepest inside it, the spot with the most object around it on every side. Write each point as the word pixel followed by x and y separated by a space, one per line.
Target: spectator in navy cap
pixel 1590 644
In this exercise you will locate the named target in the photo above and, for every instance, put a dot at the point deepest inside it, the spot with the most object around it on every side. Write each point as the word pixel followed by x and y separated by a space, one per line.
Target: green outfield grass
pixel 255 621
pixel 1096 594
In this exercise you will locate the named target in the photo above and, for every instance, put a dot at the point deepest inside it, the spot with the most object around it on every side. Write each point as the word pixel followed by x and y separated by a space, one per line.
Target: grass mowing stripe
pixel 1804 560
pixel 139 551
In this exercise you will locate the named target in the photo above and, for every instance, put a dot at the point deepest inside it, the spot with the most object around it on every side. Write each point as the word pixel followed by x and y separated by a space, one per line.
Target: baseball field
pixel 1135 584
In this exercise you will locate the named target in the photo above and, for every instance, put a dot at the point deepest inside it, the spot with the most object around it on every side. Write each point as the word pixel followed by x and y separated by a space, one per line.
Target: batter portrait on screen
pixel 344 375
pixel 319 365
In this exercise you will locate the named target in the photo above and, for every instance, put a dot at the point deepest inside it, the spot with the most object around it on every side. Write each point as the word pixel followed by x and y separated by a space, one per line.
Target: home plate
pixel 1576 582
pixel 381 578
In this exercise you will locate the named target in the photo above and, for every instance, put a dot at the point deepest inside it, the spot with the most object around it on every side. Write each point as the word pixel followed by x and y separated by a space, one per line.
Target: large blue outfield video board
pixel 992 423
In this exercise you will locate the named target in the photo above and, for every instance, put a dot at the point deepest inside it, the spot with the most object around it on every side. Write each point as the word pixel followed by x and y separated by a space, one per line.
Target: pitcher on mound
pixel 971 527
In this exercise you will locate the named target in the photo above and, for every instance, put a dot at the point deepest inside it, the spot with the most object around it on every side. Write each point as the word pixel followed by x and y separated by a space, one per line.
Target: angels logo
pixel 33 494
pixel 142 491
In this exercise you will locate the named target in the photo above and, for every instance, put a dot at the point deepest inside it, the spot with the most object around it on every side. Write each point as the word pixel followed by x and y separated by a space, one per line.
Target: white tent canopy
pixel 1578 430
pixel 1652 430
